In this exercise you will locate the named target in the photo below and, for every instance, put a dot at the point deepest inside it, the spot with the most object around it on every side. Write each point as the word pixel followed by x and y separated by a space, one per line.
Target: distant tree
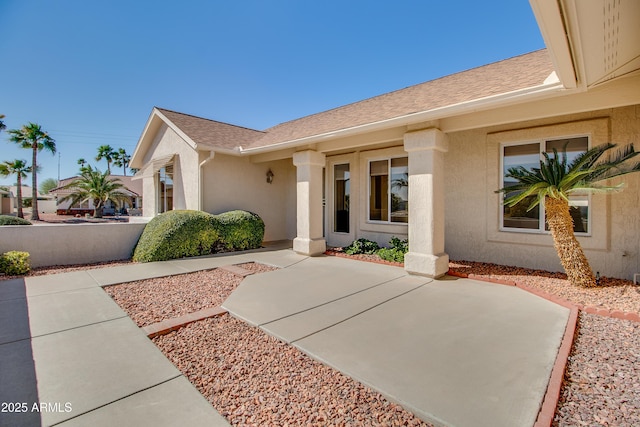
pixel 20 169
pixel 121 160
pixel 108 153
pixel 96 186
pixel 2 125
pixel 32 137
pixel 48 185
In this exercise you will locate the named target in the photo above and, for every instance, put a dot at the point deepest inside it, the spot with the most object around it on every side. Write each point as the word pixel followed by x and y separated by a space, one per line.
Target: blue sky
pixel 90 72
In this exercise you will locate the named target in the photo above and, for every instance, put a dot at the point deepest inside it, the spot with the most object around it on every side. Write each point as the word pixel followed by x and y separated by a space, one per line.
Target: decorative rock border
pixel 170 325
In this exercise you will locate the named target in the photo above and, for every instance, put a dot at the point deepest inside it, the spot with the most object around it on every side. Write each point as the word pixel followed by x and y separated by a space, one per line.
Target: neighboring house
pixel 132 188
pixel 46 202
pixel 424 162
pixel 6 202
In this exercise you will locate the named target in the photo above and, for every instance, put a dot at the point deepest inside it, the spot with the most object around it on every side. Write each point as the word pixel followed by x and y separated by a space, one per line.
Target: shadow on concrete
pixel 18 386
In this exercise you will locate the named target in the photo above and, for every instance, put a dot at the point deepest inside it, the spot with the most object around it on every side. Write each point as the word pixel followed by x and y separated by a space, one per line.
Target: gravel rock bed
pixel 612 294
pixel 253 379
pixel 602 379
pixel 153 300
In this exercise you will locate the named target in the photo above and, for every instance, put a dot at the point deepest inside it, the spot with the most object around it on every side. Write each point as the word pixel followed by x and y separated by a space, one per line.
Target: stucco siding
pixel 236 183
pixel 186 188
pixel 472 208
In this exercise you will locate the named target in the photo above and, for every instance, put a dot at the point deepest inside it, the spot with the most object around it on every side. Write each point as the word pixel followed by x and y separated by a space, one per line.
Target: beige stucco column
pixel 309 240
pixel 426 150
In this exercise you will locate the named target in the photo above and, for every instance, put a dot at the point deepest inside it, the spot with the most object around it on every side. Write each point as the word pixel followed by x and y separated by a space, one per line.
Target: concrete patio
pixel 453 351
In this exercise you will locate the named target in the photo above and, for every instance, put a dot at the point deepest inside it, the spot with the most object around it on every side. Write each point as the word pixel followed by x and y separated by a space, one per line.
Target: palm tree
pixel 2 125
pixel 96 186
pixel 554 182
pixel 121 159
pixel 82 162
pixel 106 152
pixel 20 169
pixel 32 136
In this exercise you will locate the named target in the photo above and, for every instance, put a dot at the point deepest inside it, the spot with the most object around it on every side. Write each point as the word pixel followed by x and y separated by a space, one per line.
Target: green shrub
pixel 15 263
pixel 12 220
pixel 184 233
pixel 361 246
pixel 177 234
pixel 396 252
pixel 240 230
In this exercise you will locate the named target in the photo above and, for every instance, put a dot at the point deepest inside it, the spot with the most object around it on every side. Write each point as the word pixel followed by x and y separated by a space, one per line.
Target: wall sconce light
pixel 269 176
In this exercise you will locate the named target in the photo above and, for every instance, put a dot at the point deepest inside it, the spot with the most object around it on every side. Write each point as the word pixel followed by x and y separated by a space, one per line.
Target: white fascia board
pixel 550 18
pixel 137 151
pixel 486 103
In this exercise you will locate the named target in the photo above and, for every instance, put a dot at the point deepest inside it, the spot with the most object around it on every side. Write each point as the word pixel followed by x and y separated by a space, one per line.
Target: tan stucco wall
pixel 472 208
pixel 63 244
pixel 236 183
pixel 186 189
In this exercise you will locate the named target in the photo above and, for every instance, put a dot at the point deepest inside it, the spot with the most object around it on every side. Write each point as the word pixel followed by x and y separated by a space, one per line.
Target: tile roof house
pixel 424 162
pixel 132 188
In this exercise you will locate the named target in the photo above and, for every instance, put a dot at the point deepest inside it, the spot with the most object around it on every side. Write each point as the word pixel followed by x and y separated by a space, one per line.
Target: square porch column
pixel 309 240
pixel 426 254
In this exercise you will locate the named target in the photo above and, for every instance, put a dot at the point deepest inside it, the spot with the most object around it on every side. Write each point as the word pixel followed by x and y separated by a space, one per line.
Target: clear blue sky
pixel 90 72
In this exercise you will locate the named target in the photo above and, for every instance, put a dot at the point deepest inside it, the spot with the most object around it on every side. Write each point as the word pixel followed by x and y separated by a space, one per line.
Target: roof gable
pixel 211 133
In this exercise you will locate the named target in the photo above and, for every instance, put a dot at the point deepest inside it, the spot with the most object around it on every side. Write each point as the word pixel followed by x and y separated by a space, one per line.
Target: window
pixel 342 189
pixel 388 190
pixel 528 155
pixel 165 188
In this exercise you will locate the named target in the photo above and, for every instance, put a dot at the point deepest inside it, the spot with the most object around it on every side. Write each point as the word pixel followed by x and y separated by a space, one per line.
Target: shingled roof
pixel 212 133
pixel 517 73
pixel 501 77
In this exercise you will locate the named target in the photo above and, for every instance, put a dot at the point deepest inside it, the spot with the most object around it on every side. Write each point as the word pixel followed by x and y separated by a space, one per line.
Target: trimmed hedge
pixel 240 230
pixel 15 263
pixel 12 220
pixel 186 233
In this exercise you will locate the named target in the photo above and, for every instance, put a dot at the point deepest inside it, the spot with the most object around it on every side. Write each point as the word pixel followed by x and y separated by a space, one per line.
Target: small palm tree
pixel 32 137
pixel 106 152
pixel 554 182
pixel 20 169
pixel 2 125
pixel 95 186
pixel 121 159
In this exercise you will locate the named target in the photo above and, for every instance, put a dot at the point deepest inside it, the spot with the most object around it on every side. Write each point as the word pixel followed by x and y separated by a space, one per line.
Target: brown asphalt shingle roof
pixel 520 72
pixel 212 133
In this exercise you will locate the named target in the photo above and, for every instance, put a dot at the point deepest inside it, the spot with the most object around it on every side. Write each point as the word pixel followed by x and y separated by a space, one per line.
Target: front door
pixel 340 212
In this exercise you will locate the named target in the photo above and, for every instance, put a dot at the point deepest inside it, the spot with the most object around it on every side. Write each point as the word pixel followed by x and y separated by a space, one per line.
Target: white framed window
pixel 389 190
pixel 528 155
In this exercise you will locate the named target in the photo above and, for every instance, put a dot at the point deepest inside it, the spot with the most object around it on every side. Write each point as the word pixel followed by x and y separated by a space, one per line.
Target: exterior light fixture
pixel 269 176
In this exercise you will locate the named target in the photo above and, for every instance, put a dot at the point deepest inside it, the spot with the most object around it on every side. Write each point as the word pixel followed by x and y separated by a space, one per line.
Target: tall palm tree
pixel 2 125
pixel 96 186
pixel 106 152
pixel 121 160
pixel 552 184
pixel 32 136
pixel 20 169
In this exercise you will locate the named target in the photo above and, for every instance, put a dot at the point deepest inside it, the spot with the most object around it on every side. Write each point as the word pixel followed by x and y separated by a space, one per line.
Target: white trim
pixel 368 178
pixel 541 222
pixel 494 101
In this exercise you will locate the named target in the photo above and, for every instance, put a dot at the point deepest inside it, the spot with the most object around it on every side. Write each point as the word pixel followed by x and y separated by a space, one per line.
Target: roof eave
pixel 551 21
pixel 495 101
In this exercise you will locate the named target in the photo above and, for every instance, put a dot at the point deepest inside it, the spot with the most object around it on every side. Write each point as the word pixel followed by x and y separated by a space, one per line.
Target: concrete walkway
pixel 455 352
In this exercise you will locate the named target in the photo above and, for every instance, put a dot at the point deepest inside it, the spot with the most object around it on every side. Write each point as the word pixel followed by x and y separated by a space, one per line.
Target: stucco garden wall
pixel 236 183
pixel 472 208
pixel 63 244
